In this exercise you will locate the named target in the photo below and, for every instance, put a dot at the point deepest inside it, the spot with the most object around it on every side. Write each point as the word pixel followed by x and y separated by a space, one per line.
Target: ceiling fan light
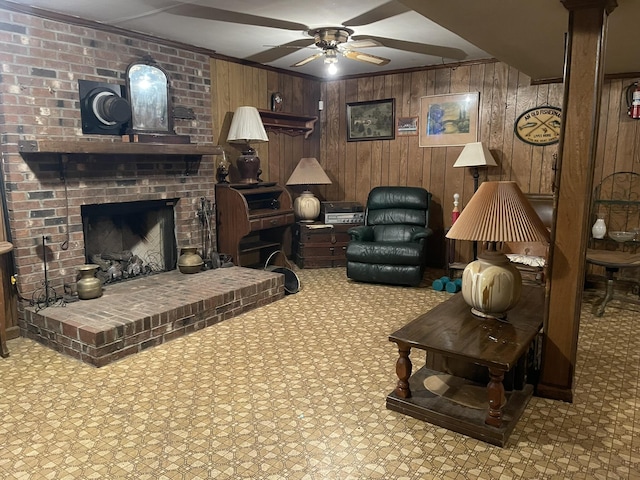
pixel 332 69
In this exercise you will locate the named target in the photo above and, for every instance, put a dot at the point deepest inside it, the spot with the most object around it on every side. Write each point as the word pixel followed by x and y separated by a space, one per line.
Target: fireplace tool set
pixel 45 296
pixel 212 259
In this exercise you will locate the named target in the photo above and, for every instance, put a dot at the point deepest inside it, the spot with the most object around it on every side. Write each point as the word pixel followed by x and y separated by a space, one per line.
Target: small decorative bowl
pixel 620 236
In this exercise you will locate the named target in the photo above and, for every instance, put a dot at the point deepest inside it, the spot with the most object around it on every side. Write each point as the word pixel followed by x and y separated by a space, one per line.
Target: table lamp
pixel 475 155
pixel 498 212
pixel 247 128
pixel 307 172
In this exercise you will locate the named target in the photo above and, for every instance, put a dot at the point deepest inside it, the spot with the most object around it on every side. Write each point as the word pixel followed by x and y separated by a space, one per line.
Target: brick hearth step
pixel 134 315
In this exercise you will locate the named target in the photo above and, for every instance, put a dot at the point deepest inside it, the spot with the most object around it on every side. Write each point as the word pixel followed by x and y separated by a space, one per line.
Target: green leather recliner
pixel 391 245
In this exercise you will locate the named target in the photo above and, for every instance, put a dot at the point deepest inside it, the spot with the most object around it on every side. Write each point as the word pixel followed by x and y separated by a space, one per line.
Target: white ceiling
pixel 526 35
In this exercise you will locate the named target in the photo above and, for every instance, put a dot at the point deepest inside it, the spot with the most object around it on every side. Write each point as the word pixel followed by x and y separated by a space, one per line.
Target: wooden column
pixel 581 111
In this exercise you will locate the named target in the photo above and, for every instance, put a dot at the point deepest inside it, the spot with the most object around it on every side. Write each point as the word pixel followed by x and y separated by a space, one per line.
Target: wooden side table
pixel 5 247
pixel 451 330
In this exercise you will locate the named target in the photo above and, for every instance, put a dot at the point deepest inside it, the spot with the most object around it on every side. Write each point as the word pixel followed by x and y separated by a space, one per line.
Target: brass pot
pixel 88 285
pixel 189 260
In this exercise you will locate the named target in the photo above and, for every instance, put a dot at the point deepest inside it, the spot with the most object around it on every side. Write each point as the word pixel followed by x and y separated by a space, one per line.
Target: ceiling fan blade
pixel 279 51
pixel 362 43
pixel 308 59
pixel 365 57
pixel 211 13
pixel 415 47
pixel 384 11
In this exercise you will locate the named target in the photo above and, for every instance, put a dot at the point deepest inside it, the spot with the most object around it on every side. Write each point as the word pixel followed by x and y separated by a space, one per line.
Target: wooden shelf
pixel 289 123
pixel 117 148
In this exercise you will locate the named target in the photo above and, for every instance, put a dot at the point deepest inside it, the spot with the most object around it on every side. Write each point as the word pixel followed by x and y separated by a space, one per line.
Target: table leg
pixel 4 351
pixel 495 390
pixel 403 370
pixel 609 294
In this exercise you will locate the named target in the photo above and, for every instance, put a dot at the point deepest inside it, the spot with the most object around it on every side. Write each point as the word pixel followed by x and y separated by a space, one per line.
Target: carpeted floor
pixel 296 390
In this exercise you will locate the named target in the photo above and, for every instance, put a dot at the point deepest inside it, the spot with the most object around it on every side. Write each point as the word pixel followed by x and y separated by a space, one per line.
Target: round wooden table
pixel 612 261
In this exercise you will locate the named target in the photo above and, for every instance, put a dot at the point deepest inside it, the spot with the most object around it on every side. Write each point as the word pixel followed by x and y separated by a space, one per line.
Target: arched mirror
pixel 148 93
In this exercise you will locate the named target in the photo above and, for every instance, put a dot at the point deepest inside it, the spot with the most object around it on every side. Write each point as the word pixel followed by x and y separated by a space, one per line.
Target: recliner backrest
pixel 398 205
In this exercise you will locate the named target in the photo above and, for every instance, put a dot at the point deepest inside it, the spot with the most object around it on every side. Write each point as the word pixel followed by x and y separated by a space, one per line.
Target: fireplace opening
pixel 130 239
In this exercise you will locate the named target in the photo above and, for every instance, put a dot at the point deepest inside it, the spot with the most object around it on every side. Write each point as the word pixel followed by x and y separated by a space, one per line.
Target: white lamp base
pixel 491 285
pixel 306 207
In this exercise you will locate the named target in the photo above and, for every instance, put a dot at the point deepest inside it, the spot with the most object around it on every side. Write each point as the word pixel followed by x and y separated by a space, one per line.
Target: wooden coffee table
pixel 451 330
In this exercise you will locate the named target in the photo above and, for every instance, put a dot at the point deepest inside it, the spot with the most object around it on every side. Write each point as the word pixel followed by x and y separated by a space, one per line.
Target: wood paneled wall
pixel 234 85
pixel 357 167
pixel 618 148
pixel 504 94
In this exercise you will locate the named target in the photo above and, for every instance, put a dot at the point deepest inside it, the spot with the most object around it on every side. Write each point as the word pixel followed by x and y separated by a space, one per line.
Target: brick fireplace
pixel 52 171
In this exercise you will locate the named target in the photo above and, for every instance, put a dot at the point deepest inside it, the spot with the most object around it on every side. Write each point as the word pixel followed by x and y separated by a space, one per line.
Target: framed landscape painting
pixel 449 120
pixel 373 120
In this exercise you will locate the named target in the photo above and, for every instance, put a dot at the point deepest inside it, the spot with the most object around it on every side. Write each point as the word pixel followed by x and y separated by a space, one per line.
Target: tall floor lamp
pixel 475 155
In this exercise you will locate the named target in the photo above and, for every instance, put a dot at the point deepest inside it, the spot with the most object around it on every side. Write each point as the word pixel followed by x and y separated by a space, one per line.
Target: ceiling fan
pixel 334 41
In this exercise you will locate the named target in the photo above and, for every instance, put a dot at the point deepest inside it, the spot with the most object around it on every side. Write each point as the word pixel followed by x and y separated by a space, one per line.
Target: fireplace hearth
pixel 132 316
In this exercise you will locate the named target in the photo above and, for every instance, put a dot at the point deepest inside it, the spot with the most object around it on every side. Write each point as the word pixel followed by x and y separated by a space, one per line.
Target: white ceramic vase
pixel 599 228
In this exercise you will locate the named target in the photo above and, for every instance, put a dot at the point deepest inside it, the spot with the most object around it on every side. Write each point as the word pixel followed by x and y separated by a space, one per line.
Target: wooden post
pixel 581 112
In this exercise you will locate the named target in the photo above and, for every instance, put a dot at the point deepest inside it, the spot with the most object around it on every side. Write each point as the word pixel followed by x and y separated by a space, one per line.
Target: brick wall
pixel 42 61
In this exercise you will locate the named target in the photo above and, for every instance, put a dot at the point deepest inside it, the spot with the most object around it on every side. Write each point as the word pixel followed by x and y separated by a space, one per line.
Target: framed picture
pixel 449 120
pixel 374 120
pixel 407 126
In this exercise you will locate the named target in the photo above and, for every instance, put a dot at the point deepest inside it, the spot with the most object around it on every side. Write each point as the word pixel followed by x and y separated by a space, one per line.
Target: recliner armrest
pixel 362 233
pixel 421 233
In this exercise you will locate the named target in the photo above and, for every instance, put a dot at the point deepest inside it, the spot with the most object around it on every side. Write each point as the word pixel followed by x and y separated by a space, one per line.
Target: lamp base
pixel 248 165
pixel 496 316
pixel 491 285
pixel 306 207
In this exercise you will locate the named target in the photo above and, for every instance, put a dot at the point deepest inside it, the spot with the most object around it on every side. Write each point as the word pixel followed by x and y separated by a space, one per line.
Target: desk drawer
pixel 271 222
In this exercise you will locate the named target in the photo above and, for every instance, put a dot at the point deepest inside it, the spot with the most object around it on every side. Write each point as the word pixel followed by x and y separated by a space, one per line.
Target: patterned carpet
pixel 296 390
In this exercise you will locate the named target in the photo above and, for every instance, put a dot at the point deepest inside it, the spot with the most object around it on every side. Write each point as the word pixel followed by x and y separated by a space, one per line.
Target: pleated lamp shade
pixel 499 212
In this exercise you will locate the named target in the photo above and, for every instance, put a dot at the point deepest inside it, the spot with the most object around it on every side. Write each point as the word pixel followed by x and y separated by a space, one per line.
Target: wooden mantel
pixel 66 150
pixel 117 148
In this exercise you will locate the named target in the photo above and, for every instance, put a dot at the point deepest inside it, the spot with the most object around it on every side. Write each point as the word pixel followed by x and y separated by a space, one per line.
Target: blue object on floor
pixel 438 285
pixel 452 287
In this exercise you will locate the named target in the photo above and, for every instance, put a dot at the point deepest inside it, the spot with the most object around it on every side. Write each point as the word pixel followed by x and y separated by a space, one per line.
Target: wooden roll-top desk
pixel 252 220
